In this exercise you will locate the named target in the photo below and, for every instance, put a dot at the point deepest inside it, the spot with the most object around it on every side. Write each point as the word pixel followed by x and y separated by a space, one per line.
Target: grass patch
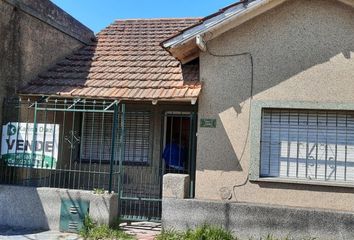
pixel 170 235
pixel 92 230
pixel 271 237
pixel 207 232
pixel 204 232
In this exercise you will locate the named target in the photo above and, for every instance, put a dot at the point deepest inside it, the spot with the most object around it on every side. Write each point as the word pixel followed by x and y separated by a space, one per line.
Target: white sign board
pixel 20 147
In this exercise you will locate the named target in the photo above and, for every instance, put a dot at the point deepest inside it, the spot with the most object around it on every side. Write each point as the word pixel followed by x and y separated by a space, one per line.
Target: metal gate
pixel 141 185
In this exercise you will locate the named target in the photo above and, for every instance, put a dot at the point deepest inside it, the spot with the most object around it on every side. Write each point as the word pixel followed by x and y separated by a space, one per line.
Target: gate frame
pixel 65 105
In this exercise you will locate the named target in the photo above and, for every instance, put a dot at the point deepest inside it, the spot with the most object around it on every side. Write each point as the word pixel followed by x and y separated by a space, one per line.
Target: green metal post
pixel 122 150
pixel 34 145
pixel 192 153
pixel 113 146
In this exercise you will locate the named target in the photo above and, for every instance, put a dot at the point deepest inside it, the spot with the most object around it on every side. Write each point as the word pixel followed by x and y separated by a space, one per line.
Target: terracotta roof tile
pixel 126 62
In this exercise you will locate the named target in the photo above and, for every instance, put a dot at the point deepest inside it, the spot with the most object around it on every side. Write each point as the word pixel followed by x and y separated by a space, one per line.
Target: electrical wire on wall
pixel 248 54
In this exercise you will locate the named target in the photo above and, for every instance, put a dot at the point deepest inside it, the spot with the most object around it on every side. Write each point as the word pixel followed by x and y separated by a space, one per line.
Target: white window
pixel 97 137
pixel 307 144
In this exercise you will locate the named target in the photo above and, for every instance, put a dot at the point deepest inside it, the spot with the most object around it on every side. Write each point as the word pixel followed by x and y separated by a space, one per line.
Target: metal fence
pixel 91 144
pixel 62 143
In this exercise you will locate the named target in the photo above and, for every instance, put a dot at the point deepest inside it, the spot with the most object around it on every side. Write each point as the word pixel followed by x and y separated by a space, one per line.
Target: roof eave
pixel 183 46
pixel 177 100
pixel 212 27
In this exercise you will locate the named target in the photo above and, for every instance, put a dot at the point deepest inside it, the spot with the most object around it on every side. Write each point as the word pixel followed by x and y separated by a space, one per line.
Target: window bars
pixel 308 144
pixel 97 134
pixel 46 143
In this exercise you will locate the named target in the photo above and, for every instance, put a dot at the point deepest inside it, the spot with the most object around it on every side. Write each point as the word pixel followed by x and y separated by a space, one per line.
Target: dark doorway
pixel 178 153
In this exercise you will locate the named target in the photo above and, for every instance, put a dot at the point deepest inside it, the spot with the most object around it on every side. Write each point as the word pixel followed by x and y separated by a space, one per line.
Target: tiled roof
pixel 126 62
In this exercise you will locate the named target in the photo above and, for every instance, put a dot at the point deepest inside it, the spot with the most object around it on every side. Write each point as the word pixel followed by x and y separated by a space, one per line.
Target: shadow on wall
pixel 70 74
pixel 304 187
pixel 297 55
pixel 21 207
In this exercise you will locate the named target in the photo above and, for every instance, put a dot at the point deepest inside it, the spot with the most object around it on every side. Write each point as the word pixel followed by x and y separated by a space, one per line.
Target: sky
pixel 97 14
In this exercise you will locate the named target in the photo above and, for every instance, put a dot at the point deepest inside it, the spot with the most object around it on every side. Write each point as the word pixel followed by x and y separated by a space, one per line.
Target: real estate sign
pixel 22 146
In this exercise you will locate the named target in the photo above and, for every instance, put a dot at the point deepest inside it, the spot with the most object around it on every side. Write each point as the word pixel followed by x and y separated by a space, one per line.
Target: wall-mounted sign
pixel 208 123
pixel 21 148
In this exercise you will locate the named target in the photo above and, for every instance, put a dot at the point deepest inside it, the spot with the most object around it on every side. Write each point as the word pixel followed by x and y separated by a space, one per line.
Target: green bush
pixel 170 235
pixel 207 232
pixel 93 231
pixel 204 232
pixel 271 237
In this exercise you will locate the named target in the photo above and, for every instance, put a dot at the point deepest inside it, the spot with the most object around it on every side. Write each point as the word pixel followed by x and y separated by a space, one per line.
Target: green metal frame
pixel 46 104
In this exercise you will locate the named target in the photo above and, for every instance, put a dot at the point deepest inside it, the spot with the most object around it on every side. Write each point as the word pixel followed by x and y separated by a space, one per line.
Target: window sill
pixel 305 182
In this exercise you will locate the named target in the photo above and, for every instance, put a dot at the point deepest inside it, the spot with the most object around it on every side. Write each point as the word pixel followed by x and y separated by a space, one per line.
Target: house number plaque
pixel 208 123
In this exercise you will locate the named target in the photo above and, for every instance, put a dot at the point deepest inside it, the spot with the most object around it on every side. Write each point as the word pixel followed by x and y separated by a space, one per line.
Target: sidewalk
pixel 142 230
pixel 23 234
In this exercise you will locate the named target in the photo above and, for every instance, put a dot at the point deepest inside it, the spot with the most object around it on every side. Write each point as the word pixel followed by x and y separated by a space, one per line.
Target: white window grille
pixel 97 137
pixel 307 144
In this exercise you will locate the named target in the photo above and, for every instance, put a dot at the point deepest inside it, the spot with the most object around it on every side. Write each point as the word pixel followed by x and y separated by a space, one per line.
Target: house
pixel 107 112
pixel 277 76
pixel 270 83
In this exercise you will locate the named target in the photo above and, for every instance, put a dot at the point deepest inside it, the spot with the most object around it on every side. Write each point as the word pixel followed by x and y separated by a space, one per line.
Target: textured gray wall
pixel 252 220
pixel 34 35
pixel 39 208
pixel 302 51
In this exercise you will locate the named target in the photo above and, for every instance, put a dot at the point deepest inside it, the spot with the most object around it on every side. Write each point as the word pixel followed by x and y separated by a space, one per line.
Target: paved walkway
pixel 142 230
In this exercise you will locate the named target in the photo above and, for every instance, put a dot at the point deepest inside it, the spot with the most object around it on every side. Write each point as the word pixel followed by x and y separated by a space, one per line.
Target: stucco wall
pixel 39 208
pixel 34 35
pixel 256 221
pixel 302 51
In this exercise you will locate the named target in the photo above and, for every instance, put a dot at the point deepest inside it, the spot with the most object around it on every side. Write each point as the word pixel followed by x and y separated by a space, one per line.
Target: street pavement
pixel 23 234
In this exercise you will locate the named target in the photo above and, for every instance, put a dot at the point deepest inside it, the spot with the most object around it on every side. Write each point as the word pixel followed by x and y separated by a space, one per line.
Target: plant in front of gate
pixel 207 232
pixel 87 226
pixel 98 191
pixel 105 232
pixel 170 235
pixel 92 230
